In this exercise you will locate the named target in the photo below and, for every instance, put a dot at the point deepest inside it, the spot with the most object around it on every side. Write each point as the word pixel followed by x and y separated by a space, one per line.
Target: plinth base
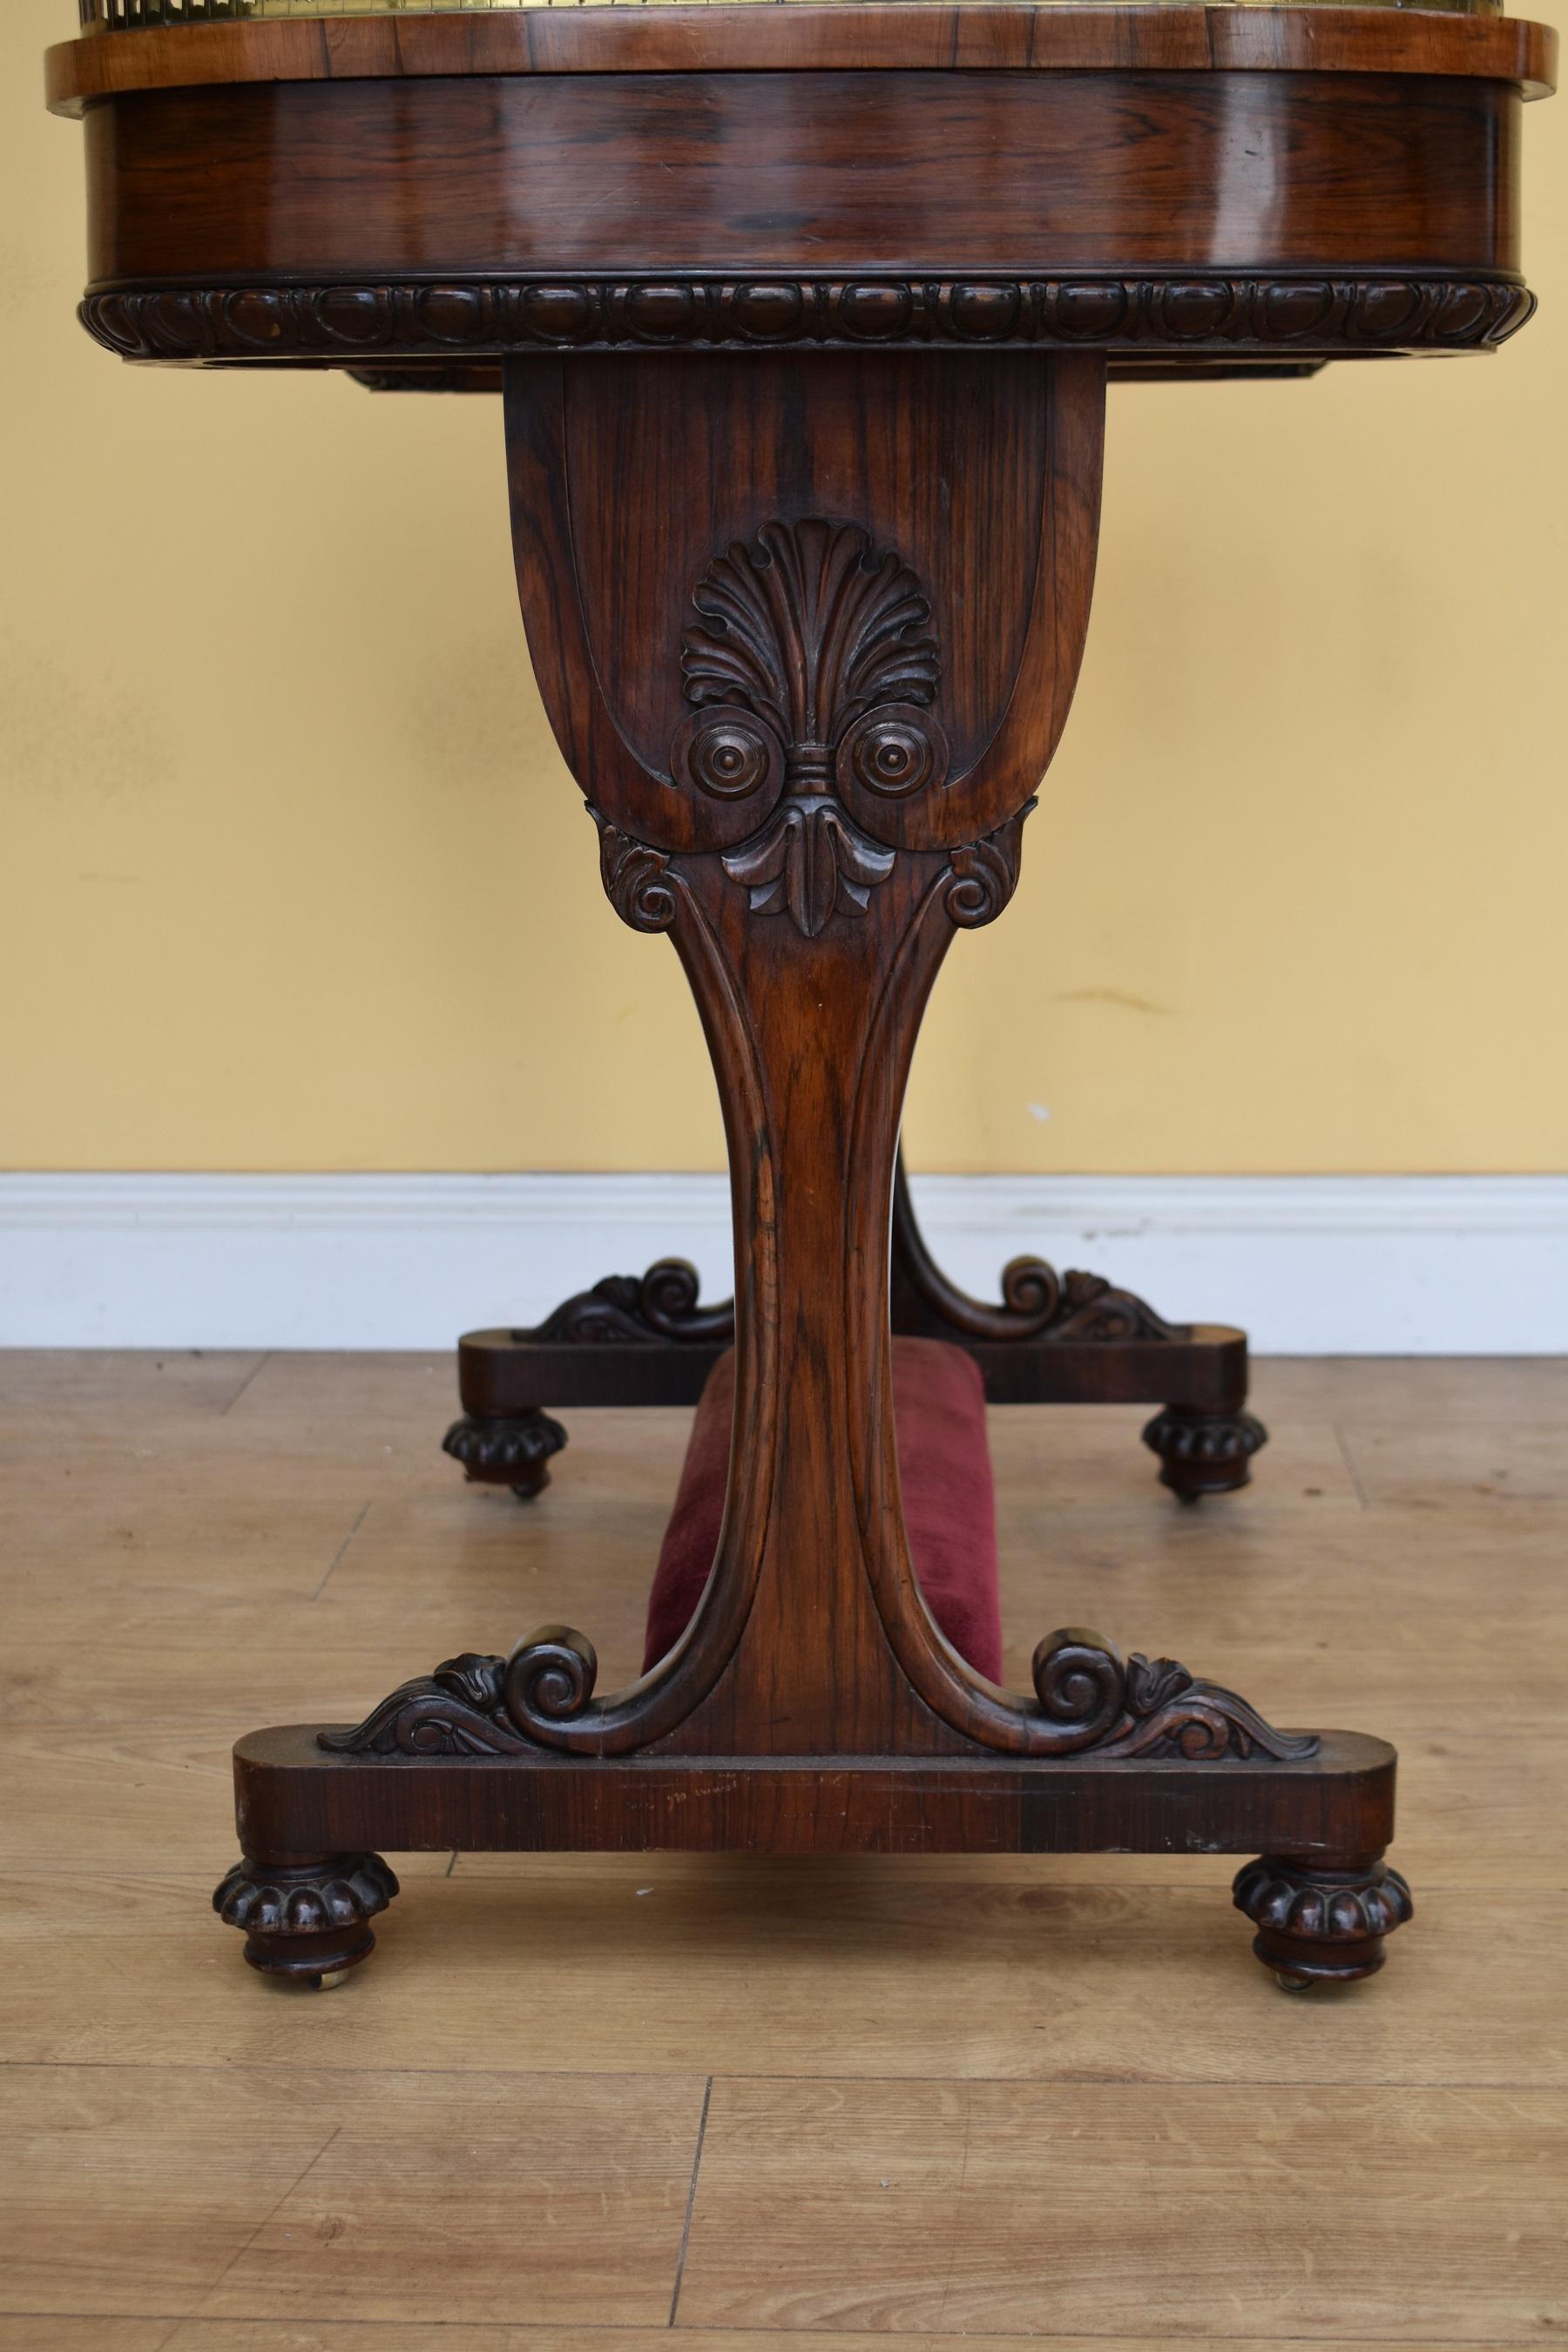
pixel 1326 1814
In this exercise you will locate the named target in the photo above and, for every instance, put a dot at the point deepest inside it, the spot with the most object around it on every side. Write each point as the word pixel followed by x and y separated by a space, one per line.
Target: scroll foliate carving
pixel 638 1311
pixel 1090 1700
pixel 1093 1699
pixel 637 879
pixel 480 1705
pixel 986 874
pixel 460 1710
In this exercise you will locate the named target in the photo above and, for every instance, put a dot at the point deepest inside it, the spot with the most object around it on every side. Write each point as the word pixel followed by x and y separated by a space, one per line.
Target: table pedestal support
pixel 807 628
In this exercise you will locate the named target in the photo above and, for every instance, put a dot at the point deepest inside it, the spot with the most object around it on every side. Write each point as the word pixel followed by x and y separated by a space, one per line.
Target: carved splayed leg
pixel 306 1920
pixel 1203 1452
pixel 1322 1922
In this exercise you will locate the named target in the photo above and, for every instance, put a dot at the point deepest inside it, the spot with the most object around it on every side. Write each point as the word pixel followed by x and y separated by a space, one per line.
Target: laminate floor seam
pixel 251 1377
pixel 690 2200
pixel 342 1552
pixel 1271 2086
pixel 272 2211
pixel 1341 1441
pixel 552 2329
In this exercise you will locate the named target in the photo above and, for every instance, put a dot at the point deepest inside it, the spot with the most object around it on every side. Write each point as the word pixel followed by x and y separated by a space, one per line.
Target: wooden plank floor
pixel 578 2103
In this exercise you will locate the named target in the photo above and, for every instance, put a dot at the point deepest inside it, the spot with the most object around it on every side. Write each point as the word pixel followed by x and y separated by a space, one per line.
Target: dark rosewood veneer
pixel 803 319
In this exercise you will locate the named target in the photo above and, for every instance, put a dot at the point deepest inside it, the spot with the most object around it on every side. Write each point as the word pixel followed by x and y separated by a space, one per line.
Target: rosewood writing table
pixel 803 317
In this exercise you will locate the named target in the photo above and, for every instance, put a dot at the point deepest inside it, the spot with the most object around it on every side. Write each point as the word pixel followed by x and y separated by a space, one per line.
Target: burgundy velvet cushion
pixel 945 1467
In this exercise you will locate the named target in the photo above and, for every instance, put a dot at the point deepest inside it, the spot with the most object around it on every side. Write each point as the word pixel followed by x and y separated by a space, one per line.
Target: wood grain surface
pixel 831 39
pixel 813 171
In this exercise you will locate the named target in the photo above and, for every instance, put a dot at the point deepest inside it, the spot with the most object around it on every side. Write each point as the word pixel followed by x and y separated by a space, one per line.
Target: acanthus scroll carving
pixel 986 875
pixel 480 1705
pixel 460 1710
pixel 811 667
pixel 1091 1698
pixel 639 1310
pixel 637 879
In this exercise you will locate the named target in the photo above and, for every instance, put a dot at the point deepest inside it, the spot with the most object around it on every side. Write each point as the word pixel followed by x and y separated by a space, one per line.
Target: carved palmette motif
pixel 809 627
pixel 811 665
pixel 811 662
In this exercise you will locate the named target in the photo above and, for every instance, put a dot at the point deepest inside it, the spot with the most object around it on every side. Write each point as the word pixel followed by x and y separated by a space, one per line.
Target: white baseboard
pixel 1307 1265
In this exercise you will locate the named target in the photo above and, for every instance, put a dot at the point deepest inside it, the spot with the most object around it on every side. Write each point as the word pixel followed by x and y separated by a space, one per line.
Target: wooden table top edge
pixel 923 35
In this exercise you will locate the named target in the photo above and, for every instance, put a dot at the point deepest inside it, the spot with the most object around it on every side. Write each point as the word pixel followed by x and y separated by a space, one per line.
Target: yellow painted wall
pixel 293 877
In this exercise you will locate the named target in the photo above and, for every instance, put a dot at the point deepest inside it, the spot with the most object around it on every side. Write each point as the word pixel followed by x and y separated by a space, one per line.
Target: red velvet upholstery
pixel 944 1466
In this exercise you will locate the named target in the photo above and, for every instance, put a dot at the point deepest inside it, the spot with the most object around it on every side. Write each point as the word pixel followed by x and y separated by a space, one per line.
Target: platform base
pixel 1204 1436
pixel 296 1800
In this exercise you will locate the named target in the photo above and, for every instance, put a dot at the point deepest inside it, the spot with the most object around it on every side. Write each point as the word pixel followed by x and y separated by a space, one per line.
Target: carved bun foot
pixel 1320 1924
pixel 1203 1452
pixel 306 1921
pixel 514 1453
